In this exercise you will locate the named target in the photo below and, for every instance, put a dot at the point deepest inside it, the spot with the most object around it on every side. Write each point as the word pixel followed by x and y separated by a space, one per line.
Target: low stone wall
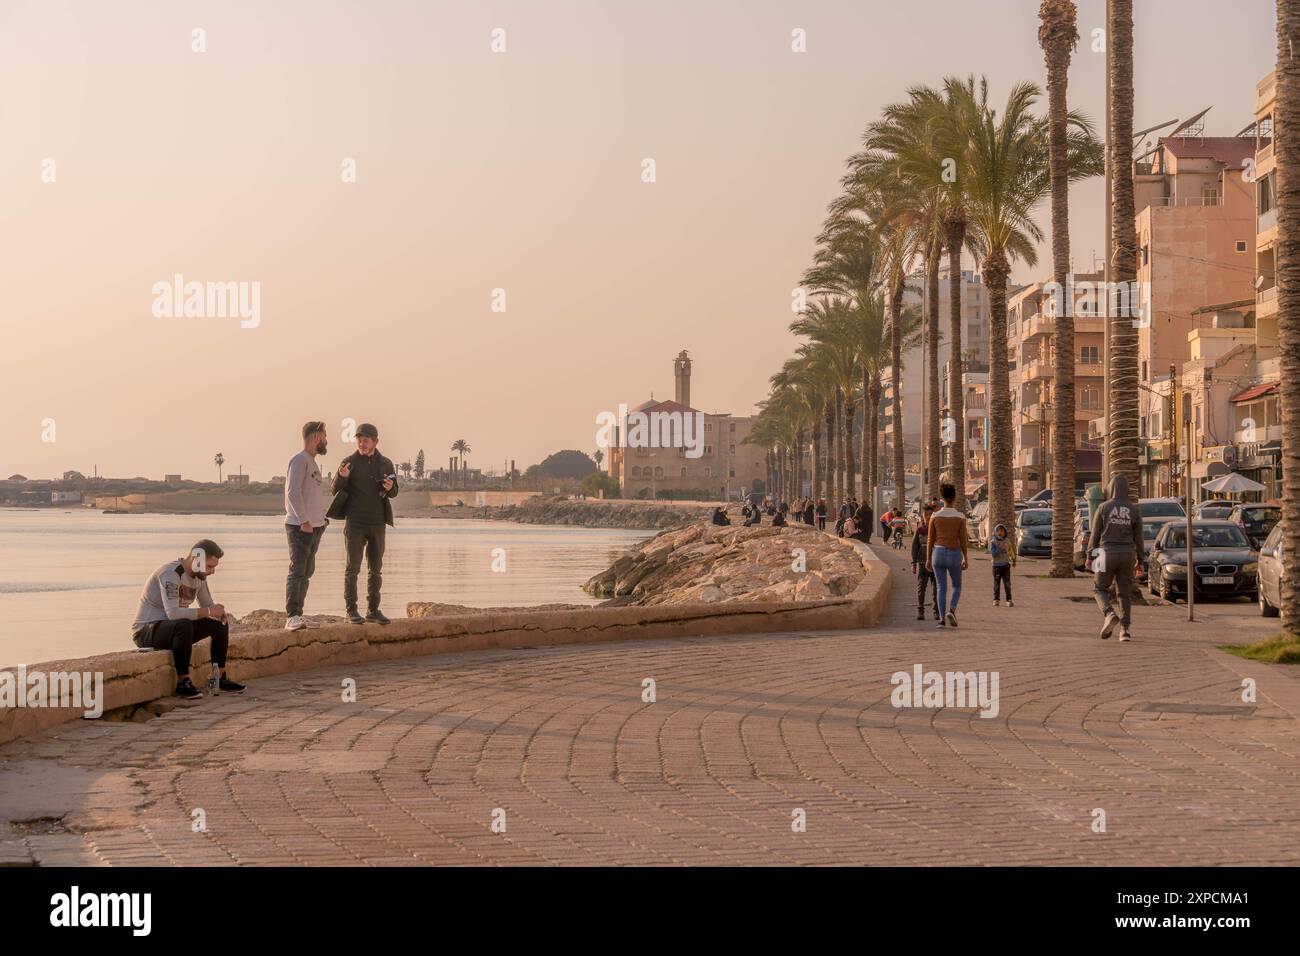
pixel 133 678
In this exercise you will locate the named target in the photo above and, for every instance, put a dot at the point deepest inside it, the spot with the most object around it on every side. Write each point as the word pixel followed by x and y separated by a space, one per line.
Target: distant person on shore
pixel 304 522
pixel 362 491
pixel 165 621
pixel 924 576
pixel 720 516
pixel 821 514
pixel 809 512
pixel 778 520
pixel 865 519
pixel 946 554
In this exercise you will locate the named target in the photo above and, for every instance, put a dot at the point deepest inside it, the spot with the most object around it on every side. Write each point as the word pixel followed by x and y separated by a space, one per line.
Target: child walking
pixel 1004 558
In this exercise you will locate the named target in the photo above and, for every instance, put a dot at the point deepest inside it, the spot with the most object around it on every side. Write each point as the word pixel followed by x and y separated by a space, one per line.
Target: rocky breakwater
pixel 602 514
pixel 707 564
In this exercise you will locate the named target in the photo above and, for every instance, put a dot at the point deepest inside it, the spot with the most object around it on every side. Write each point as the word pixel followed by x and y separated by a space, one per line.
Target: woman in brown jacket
pixel 946 554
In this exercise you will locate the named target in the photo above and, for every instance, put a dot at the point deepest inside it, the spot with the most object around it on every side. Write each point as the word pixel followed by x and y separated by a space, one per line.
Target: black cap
pixel 367 430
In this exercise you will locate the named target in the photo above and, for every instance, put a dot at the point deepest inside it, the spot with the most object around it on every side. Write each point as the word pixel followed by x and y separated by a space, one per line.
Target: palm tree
pixel 1058 35
pixel 1286 124
pixel 461 448
pixel 405 469
pixel 598 456
pixel 1122 444
pixel 218 459
pixel 826 323
pixel 1007 175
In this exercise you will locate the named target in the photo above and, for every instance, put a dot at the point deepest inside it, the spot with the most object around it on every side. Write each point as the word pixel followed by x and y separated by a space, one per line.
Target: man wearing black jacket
pixel 923 576
pixel 363 487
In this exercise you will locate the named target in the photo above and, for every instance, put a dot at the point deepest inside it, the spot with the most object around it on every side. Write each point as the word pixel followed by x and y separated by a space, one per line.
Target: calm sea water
pixel 70 580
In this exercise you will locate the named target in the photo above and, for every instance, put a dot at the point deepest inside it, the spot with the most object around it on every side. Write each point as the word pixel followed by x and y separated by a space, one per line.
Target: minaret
pixel 682 377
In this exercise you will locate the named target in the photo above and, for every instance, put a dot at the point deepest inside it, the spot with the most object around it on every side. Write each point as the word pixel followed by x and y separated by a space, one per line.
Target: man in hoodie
pixel 365 482
pixel 924 576
pixel 1117 532
pixel 1003 550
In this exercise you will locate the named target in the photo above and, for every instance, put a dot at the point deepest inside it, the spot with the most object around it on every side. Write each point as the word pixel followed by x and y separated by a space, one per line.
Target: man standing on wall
pixel 363 487
pixel 304 522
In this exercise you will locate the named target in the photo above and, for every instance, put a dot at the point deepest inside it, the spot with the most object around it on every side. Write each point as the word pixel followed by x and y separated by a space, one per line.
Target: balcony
pixel 1263 155
pixel 1267 221
pixel 1266 303
pixel 1243 436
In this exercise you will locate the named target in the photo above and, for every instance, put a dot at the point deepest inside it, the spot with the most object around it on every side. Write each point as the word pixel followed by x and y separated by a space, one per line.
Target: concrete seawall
pixel 132 677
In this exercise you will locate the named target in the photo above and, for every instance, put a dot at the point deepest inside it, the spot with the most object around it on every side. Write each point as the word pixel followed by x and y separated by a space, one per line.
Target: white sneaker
pixel 295 623
pixel 997 604
pixel 1010 603
pixel 311 622
pixel 1124 635
pixel 1109 625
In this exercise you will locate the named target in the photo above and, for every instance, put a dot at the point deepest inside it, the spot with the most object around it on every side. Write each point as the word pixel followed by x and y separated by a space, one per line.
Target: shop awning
pixel 1255 392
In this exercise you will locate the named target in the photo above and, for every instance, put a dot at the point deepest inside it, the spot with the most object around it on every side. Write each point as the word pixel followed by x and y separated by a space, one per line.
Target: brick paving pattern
pixel 743 732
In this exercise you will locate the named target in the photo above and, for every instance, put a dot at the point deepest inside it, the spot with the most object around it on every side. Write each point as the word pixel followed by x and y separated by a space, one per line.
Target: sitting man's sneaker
pixel 295 623
pixel 952 619
pixel 377 617
pixel 354 616
pixel 229 686
pixel 1108 626
pixel 186 690
pixel 1124 635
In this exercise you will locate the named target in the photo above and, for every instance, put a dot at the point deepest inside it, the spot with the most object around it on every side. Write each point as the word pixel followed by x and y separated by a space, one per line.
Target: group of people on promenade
pixel 362 490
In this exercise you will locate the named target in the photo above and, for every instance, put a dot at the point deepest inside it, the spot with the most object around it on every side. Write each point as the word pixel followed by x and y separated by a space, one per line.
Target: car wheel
pixel 1266 609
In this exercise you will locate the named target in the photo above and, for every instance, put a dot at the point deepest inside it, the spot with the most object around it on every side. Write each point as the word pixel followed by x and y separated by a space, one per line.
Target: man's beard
pixel 322 447
pixel 199 574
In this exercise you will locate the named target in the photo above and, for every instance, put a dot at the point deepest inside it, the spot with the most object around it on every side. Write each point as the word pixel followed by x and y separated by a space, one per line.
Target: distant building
pixel 237 480
pixel 277 479
pixel 725 466
pixel 64 497
pixel 172 479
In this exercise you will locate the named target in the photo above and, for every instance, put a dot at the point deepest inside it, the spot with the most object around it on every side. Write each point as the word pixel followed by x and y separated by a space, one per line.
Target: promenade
pixel 551 756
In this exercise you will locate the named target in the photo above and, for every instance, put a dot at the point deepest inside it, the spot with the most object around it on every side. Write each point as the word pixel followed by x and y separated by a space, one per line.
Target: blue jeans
pixel 947 574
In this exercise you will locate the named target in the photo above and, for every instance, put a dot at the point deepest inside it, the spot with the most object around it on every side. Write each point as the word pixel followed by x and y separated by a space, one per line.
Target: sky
pixel 455 241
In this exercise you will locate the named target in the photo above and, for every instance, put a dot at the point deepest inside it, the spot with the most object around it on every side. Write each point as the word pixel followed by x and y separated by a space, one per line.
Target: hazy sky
pixel 475 171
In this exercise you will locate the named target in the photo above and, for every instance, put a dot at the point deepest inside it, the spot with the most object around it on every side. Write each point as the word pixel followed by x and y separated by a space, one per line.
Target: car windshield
pixel 1152 528
pixel 1217 511
pixel 1154 509
pixel 1032 519
pixel 1218 536
pixel 1258 514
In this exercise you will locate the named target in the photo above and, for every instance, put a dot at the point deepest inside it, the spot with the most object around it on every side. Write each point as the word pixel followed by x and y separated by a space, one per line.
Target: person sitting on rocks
pixel 720 516
pixel 165 621
pixel 778 520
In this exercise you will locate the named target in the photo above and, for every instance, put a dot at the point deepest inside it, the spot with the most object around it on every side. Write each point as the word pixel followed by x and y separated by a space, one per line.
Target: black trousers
pixel 302 565
pixel 179 637
pixel 1001 576
pixel 924 577
pixel 367 539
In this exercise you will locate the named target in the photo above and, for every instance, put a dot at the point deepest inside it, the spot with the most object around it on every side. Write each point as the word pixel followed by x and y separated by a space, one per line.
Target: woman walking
pixel 946 554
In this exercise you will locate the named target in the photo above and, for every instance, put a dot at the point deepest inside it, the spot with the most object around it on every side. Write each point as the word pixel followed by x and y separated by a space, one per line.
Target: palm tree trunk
pixel 868 425
pixel 815 472
pixel 829 478
pixel 850 461
pixel 933 453
pixel 1122 429
pixel 1058 35
pixel 955 235
pixel 896 378
pixel 877 394
pixel 836 475
pixel 1286 127
pixel 1001 489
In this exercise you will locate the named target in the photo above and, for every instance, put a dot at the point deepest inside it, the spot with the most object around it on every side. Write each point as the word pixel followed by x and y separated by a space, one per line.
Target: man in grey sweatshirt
pixel 304 521
pixel 1117 532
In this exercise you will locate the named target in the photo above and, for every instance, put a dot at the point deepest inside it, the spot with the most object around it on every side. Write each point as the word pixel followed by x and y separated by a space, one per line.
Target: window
pixel 708 449
pixel 683 471
pixel 731 473
pixel 731 426
pixel 1210 195
pixel 1090 355
pixel 732 450
pixel 1241 245
pixel 636 472
pixel 1144 371
pixel 708 426
pixel 659 472
pixel 1146 255
pixel 708 471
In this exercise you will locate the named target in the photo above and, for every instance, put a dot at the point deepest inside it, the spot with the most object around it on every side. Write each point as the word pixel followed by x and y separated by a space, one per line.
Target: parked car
pixel 1151 528
pixel 1223 562
pixel 1270 573
pixel 1257 520
pixel 974 521
pixel 1213 509
pixel 1161 508
pixel 1042 498
pixel 1034 532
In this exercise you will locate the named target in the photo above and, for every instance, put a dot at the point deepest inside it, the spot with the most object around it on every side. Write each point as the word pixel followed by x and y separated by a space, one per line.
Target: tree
pixel 598 456
pixel 1122 443
pixel 1058 35
pixel 405 469
pixel 461 448
pixel 566 464
pixel 1007 175
pixel 1286 124
pixel 419 464
pixel 597 482
pixel 218 459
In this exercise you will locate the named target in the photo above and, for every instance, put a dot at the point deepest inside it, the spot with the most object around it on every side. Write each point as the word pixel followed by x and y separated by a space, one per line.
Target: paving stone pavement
pixel 558 744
